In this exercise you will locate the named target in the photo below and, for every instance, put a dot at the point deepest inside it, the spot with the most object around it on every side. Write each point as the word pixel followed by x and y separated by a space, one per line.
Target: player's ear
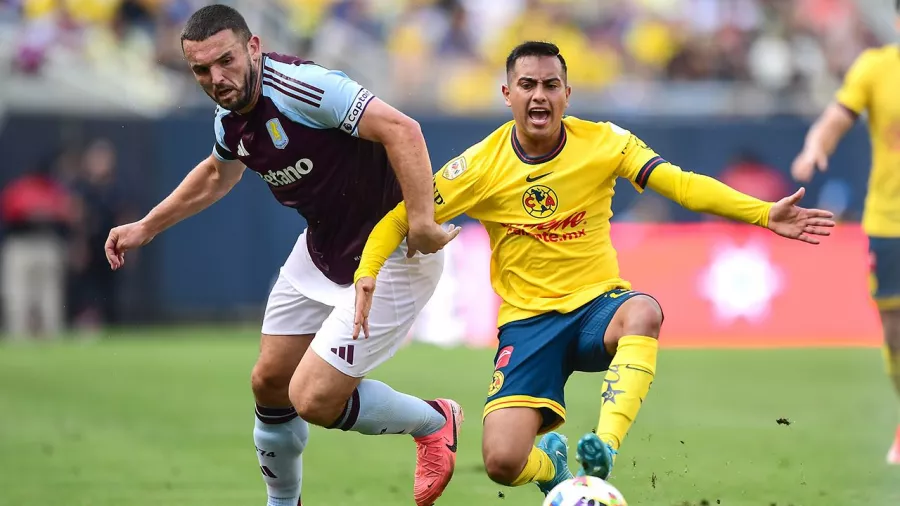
pixel 253 46
pixel 505 90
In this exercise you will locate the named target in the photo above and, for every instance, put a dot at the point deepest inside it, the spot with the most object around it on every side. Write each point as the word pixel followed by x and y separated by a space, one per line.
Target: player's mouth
pixel 222 94
pixel 539 116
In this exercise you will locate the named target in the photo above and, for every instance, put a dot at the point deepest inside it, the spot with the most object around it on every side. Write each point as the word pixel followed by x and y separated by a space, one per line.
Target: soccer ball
pixel 585 491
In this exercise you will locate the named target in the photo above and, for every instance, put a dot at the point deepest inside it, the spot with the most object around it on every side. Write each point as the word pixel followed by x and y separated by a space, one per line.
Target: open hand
pixel 365 290
pixel 789 220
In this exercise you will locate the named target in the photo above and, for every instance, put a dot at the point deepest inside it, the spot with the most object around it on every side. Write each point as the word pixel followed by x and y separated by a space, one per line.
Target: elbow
pixel 405 131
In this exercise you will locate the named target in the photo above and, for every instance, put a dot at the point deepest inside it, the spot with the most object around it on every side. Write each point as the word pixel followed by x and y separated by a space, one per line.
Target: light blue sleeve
pixel 220 149
pixel 315 96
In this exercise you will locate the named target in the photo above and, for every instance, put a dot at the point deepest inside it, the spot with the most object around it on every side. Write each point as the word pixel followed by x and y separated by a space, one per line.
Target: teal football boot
pixel 595 456
pixel 556 447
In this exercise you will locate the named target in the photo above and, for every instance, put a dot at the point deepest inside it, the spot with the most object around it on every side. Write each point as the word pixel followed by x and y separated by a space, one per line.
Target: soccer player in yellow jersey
pixel 872 86
pixel 542 186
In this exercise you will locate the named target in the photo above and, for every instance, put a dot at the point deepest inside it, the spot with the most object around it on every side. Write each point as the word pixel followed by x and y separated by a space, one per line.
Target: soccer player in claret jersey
pixel 325 146
pixel 872 85
pixel 542 186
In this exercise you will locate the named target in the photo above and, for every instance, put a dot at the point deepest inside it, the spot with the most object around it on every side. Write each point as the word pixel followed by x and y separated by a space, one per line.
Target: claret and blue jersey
pixel 302 139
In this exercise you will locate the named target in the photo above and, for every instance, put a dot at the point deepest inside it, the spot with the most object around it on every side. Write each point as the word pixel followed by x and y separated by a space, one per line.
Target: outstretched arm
pixel 208 182
pixel 707 195
pixel 703 194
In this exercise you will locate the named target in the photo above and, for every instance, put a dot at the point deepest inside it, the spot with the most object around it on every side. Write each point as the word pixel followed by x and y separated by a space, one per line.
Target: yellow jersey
pixel 548 217
pixel 871 86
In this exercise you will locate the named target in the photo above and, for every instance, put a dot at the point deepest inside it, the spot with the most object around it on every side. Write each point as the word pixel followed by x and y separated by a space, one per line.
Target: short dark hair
pixel 536 48
pixel 211 20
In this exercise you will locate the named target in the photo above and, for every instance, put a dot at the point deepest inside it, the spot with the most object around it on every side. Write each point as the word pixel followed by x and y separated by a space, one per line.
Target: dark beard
pixel 249 89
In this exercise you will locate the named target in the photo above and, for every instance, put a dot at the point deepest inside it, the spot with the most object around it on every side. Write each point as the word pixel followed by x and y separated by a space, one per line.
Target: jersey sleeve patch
pixel 454 169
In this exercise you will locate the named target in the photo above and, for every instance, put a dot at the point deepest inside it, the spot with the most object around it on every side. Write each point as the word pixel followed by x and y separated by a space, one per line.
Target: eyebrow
pixel 224 55
pixel 535 80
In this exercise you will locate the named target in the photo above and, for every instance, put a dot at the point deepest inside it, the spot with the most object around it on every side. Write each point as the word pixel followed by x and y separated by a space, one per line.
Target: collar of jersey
pixel 536 160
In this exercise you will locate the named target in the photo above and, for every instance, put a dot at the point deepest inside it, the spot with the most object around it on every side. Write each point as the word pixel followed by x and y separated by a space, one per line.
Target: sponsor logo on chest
pixel 288 175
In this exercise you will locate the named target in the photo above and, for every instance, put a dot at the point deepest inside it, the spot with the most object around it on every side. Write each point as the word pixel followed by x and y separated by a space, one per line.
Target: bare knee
pixel 315 403
pixel 270 384
pixel 278 359
pixel 507 441
pixel 643 317
pixel 504 465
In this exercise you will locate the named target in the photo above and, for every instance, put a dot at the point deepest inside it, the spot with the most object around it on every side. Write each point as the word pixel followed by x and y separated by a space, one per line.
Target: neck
pixel 538 147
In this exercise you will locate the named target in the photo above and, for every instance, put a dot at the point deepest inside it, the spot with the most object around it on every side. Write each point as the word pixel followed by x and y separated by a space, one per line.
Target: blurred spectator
pixel 95 294
pixel 37 212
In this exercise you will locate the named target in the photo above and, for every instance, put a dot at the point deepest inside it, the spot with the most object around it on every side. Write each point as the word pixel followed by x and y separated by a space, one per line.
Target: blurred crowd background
pixel 637 55
pixel 100 118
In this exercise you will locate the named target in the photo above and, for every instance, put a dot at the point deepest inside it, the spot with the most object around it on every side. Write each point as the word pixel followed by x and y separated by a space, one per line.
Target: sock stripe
pixel 352 413
pixel 275 416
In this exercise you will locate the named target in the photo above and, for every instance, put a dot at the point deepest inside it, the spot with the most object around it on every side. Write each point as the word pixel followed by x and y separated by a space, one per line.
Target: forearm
pixel 704 194
pixel 829 129
pixel 202 187
pixel 384 240
pixel 409 157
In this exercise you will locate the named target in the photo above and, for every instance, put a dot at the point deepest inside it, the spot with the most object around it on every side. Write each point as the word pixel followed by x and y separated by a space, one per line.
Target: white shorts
pixel 303 301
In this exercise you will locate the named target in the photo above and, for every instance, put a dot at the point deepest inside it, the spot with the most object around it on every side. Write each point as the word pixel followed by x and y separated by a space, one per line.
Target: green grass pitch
pixel 164 417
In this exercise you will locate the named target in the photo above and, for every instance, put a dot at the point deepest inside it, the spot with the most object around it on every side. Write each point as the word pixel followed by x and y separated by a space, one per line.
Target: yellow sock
pixel 625 387
pixel 539 468
pixel 892 364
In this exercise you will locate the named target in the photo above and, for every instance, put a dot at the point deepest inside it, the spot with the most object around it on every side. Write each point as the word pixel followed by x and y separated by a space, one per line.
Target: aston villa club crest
pixel 276 132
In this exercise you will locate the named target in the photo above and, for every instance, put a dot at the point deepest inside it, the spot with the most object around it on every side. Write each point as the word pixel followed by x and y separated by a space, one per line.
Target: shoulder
pixel 577 125
pixel 478 155
pixel 492 145
pixel 498 140
pixel 281 66
pixel 874 56
pixel 604 135
pixel 313 95
pixel 220 114
pixel 296 75
pixel 219 120
pixel 292 79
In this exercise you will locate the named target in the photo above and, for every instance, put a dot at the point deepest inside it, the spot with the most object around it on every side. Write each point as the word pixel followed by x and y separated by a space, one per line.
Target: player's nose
pixel 217 75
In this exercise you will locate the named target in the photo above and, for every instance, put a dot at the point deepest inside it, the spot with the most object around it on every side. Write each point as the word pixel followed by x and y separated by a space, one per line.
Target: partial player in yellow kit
pixel 542 186
pixel 872 86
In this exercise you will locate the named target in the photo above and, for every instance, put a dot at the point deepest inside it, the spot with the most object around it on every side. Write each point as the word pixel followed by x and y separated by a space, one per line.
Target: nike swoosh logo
pixel 452 447
pixel 530 179
pixel 560 454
